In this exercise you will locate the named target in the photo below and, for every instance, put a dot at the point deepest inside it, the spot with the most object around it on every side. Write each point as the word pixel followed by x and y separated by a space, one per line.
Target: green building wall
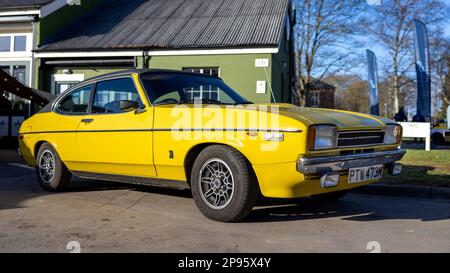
pixel 65 16
pixel 50 26
pixel 238 71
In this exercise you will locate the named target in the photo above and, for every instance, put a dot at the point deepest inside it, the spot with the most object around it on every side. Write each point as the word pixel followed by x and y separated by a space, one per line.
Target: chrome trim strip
pixel 287 130
pixel 320 165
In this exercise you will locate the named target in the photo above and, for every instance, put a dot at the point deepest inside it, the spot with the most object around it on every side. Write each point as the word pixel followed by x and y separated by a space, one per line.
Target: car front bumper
pixel 328 164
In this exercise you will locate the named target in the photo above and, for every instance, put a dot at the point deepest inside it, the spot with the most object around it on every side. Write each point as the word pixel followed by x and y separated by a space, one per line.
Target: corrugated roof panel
pixel 177 24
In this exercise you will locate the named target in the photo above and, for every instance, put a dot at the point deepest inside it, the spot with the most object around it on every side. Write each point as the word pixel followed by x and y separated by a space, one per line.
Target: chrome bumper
pixel 326 164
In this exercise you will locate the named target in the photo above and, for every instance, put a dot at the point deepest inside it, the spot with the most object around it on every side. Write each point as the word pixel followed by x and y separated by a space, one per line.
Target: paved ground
pixel 106 217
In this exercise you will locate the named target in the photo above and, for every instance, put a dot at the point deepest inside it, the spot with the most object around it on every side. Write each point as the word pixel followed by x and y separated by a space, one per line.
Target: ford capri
pixel 190 131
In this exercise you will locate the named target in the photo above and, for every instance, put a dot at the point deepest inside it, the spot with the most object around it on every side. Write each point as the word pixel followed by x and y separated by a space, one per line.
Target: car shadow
pixel 420 176
pixel 18 184
pixel 354 207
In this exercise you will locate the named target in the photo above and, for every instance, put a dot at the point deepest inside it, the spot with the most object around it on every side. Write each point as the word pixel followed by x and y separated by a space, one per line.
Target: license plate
pixel 363 174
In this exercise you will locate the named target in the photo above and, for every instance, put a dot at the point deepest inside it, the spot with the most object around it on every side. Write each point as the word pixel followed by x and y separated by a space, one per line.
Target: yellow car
pixel 185 130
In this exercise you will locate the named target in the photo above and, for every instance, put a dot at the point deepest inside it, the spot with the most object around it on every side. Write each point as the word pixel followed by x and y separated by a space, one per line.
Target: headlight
pixel 393 134
pixel 322 137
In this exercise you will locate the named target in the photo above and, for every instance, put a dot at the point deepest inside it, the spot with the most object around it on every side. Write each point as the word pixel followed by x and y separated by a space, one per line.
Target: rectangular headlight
pixel 393 134
pixel 322 137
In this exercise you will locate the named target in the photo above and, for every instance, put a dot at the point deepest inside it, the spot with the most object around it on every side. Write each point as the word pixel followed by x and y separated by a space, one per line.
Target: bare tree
pixel 324 30
pixel 440 65
pixel 351 93
pixel 446 88
pixel 391 24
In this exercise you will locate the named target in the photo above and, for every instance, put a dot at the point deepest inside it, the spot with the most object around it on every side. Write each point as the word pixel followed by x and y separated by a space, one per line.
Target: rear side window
pixel 109 94
pixel 77 102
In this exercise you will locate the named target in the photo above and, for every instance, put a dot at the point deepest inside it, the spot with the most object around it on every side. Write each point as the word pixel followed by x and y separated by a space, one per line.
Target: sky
pixel 382 55
pixel 447 28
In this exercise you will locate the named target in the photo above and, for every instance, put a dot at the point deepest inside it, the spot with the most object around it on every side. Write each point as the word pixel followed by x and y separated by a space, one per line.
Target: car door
pixel 116 141
pixel 63 123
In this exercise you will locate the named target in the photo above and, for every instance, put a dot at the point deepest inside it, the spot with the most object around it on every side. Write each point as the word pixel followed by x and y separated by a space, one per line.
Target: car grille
pixel 351 139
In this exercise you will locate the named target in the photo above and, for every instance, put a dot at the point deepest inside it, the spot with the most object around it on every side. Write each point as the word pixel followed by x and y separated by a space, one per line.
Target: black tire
pixel 61 175
pixel 331 196
pixel 438 139
pixel 245 188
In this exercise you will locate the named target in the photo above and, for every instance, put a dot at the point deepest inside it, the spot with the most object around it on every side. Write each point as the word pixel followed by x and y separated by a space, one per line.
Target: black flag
pixel 423 70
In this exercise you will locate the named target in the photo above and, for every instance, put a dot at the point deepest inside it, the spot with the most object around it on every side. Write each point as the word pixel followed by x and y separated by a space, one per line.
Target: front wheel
pixel 223 184
pixel 51 172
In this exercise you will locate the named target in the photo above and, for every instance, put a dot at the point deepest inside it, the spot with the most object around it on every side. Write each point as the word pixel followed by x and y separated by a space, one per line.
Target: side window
pixel 171 97
pixel 111 94
pixel 76 102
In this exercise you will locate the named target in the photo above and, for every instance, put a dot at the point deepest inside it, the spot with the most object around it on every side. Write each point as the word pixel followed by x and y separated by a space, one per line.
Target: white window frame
pixel 314 98
pixel 202 71
pixel 65 78
pixel 14 55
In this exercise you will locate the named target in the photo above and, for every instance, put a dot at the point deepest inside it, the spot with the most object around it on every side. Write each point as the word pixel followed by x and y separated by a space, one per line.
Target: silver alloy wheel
pixel 47 166
pixel 216 184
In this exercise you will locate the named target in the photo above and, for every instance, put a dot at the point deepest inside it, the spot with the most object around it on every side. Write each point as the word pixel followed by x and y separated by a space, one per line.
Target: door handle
pixel 87 120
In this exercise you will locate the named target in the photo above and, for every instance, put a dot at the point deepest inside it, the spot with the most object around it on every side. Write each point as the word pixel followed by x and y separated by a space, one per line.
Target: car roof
pixel 129 72
pixel 140 72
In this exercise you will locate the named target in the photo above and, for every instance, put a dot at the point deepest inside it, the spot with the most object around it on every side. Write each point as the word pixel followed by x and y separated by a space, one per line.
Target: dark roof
pixel 176 24
pixel 320 85
pixel 22 4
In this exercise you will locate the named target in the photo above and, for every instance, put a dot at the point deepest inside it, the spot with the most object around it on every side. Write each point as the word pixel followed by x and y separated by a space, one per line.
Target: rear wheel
pixel 223 185
pixel 51 172
pixel 331 196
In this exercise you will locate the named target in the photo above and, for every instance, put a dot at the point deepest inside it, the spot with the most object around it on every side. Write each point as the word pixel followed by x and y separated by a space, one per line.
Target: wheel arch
pixel 39 144
pixel 194 152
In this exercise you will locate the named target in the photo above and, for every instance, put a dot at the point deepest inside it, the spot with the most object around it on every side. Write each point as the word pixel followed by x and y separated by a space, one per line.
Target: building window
pixel 314 98
pixel 20 43
pixel 19 72
pixel 203 92
pixel 13 43
pixel 62 82
pixel 211 71
pixel 5 44
pixel 61 87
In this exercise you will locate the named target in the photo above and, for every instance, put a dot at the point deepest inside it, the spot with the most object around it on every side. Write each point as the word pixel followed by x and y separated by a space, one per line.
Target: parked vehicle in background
pixel 440 133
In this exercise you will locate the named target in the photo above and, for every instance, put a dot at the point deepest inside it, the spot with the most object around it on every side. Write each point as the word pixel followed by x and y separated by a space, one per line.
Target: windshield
pixel 179 88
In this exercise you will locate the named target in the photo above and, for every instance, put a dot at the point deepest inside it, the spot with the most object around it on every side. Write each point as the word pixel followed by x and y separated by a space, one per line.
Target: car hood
pixel 342 119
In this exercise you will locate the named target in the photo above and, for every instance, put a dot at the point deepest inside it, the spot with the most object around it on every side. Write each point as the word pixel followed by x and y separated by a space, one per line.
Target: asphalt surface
pixel 108 217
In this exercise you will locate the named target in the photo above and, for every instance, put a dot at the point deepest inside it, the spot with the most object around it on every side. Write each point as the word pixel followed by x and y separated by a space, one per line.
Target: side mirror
pixel 128 105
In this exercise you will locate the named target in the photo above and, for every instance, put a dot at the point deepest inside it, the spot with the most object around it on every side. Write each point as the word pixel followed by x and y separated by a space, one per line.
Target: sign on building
pixel 4 126
pixel 16 122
